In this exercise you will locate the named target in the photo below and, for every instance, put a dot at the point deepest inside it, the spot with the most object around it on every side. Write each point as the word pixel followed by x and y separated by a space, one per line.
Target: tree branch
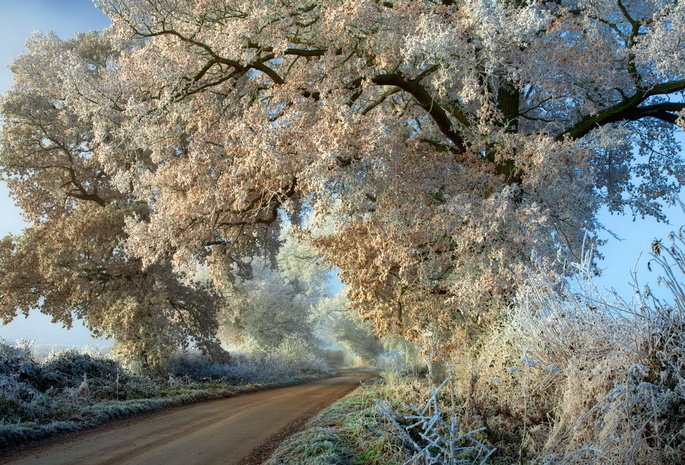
pixel 264 209
pixel 426 101
pixel 629 110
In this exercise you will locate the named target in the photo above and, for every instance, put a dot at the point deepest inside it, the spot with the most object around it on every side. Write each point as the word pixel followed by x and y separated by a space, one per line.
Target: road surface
pixel 238 430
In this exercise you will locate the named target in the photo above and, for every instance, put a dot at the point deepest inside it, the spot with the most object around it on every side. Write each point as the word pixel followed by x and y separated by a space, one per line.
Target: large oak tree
pixel 72 261
pixel 450 144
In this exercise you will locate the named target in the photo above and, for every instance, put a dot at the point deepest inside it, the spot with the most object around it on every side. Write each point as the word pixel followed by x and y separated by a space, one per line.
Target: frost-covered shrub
pixel 71 367
pixel 573 376
pixel 297 353
pixel 195 366
pixel 290 360
pixel 435 437
pixel 20 401
pixel 22 383
pixel 18 361
pixel 12 358
pixel 403 363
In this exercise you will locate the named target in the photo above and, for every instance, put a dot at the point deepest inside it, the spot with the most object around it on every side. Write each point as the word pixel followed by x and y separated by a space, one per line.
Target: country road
pixel 238 430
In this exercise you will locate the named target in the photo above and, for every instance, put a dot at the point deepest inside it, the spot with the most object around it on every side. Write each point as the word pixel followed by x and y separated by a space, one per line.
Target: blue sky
pixel 20 18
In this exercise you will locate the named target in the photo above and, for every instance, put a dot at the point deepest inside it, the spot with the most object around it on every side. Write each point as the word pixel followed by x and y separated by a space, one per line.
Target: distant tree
pixel 355 335
pixel 72 260
pixel 264 311
pixel 280 298
pixel 448 143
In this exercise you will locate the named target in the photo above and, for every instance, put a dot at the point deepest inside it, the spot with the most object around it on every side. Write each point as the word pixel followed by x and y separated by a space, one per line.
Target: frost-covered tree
pixel 355 335
pixel 448 142
pixel 266 310
pixel 277 299
pixel 72 261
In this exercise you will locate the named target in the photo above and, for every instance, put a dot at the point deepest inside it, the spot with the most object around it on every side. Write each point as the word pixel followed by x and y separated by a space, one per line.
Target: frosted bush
pixel 583 377
pixel 195 366
pixel 18 360
pixel 393 361
pixel 291 360
pixel 19 400
pixel 43 352
pixel 298 353
pixel 70 367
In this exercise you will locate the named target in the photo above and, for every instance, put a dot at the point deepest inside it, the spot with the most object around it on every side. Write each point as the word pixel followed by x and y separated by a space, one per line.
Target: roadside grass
pixel 351 431
pixel 71 390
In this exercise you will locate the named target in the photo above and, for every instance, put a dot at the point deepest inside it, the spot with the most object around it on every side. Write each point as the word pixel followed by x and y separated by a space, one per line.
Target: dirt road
pixel 237 430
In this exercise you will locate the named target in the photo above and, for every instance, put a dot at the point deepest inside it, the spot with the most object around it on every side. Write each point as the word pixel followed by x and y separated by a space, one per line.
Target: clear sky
pixel 20 18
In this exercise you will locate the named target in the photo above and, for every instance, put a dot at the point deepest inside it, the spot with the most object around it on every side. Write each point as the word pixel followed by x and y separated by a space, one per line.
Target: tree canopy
pixel 441 147
pixel 72 261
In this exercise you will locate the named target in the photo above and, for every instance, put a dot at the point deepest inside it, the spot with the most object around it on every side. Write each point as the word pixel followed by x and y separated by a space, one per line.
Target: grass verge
pixel 351 431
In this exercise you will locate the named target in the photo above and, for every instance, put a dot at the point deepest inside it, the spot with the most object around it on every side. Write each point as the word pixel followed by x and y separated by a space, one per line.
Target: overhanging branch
pixel 630 110
pixel 426 101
